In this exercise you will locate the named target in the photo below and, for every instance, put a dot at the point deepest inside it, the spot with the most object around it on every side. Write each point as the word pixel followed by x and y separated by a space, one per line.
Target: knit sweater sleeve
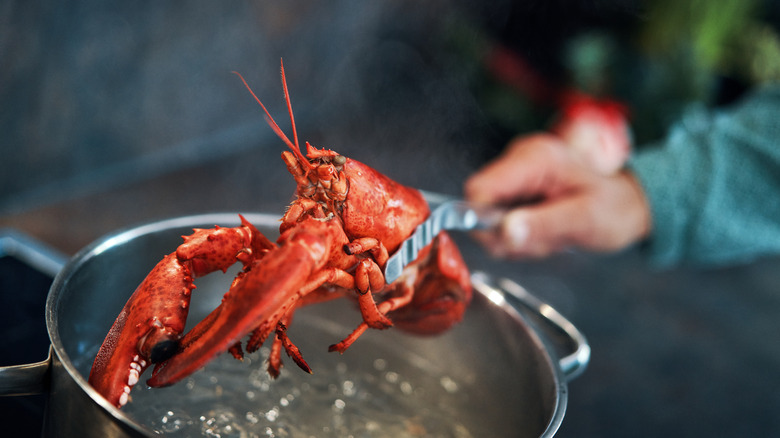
pixel 714 184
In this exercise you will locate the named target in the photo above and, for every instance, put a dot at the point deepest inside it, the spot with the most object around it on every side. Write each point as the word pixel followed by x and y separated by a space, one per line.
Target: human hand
pixel 568 203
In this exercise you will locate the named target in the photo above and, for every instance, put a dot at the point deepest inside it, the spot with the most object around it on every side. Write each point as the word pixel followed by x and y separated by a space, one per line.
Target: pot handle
pixel 574 363
pixel 27 379
pixel 31 378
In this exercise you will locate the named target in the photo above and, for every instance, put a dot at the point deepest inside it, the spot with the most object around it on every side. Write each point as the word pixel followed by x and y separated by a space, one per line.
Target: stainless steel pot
pixel 502 378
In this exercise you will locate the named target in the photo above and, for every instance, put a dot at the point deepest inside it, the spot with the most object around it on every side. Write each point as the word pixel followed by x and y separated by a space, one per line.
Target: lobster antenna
pixel 289 107
pixel 272 123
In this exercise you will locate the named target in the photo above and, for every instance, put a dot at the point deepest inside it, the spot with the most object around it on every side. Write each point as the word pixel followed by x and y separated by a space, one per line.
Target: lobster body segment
pixel 334 241
pixel 380 207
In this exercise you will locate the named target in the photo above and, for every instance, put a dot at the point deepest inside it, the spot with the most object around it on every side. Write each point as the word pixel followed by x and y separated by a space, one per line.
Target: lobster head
pixel 320 175
pixel 368 203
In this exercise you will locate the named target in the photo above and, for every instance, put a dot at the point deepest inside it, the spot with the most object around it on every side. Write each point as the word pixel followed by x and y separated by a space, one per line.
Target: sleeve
pixel 714 184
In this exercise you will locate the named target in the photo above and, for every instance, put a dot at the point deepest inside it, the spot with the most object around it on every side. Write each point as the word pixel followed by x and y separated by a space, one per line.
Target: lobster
pixel 335 238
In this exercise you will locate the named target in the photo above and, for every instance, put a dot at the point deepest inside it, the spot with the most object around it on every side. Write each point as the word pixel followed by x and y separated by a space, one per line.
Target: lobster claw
pixel 441 290
pixel 149 327
pixel 267 290
pixel 146 330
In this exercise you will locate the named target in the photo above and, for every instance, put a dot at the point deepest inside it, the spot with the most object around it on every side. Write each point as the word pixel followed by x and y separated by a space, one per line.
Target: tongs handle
pixel 475 216
pixel 458 214
pixel 450 215
pixel 463 216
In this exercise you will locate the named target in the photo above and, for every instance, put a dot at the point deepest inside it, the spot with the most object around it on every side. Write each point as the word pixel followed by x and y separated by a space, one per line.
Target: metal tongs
pixel 446 214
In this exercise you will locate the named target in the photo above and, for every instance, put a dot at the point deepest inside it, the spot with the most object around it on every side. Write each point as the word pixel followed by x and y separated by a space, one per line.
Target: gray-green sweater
pixel 714 184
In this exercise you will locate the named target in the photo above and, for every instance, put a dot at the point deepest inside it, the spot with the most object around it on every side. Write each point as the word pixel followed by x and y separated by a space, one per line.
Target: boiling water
pixel 238 399
pixel 229 398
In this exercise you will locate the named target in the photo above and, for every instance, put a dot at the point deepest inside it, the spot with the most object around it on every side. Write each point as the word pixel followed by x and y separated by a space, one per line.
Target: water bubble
pixel 339 405
pixel 448 384
pixel 252 418
pixel 221 423
pixel 262 385
pixel 272 414
pixel 460 431
pixel 406 388
pixel 172 422
pixel 380 364
pixel 348 388
pixel 391 377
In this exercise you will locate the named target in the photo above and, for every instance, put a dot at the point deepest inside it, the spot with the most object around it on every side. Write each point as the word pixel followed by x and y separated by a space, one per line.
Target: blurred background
pixel 116 114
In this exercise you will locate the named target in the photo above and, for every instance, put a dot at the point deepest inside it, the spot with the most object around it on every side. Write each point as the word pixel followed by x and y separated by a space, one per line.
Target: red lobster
pixel 334 241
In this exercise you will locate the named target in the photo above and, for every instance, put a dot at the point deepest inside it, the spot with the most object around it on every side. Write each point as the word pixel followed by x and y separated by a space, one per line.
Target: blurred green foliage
pixel 665 56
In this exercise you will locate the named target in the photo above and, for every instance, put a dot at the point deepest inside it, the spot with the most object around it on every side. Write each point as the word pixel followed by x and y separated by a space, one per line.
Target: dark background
pixel 114 115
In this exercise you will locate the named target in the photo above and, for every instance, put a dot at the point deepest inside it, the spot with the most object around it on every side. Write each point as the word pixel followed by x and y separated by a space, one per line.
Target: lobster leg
pixel 431 295
pixel 369 278
pixel 406 287
pixel 282 341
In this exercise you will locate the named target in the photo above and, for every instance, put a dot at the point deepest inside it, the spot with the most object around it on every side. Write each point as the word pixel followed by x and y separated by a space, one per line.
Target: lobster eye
pixel 339 160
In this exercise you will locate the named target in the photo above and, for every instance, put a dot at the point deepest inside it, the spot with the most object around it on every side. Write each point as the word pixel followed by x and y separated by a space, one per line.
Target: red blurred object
pixel 596 128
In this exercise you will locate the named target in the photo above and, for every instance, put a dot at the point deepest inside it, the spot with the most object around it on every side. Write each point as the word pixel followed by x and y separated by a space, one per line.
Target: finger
pixel 545 229
pixel 521 172
pixel 492 241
